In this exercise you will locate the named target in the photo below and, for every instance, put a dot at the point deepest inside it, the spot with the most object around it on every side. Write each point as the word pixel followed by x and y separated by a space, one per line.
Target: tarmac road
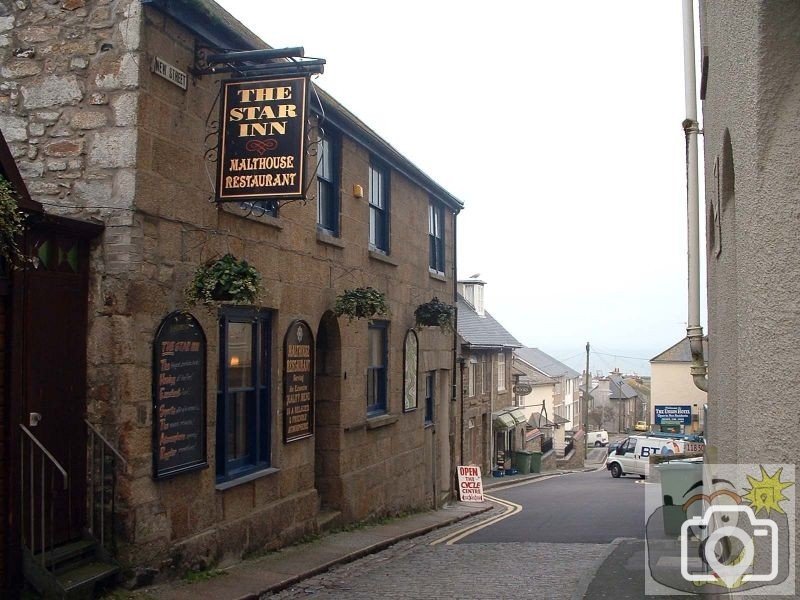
pixel 551 549
pixel 575 508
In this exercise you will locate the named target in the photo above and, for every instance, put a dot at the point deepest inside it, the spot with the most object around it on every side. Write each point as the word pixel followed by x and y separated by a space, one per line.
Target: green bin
pixel 677 477
pixel 522 460
pixel 536 462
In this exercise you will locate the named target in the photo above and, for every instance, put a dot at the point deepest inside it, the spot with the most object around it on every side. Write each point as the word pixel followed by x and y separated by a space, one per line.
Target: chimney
pixel 472 291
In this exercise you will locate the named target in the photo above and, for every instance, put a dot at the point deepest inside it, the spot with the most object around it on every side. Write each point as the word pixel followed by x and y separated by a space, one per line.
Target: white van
pixel 632 457
pixel 597 438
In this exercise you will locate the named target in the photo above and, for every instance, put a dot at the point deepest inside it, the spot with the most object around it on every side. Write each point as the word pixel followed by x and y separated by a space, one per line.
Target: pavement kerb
pixel 494 483
pixel 343 558
pixel 588 577
pixel 356 554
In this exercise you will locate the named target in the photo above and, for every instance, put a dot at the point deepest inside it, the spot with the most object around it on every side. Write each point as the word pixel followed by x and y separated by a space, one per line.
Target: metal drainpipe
pixel 694 331
pixel 457 360
pixel 461 363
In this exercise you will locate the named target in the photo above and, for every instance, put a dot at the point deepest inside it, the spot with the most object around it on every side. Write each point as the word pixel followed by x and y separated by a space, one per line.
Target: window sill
pixel 436 275
pixel 264 219
pixel 226 485
pixel 384 258
pixel 324 237
pixel 381 421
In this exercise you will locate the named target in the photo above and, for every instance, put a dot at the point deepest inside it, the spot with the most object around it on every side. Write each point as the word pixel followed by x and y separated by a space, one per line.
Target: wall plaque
pixel 262 139
pixel 298 382
pixel 179 396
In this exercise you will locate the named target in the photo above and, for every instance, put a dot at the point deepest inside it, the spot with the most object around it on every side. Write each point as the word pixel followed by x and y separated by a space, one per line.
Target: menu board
pixel 298 382
pixel 179 396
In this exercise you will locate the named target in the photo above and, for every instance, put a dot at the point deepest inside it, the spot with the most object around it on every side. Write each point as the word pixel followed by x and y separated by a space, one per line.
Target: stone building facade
pixel 751 140
pixel 99 137
pixel 750 117
pixel 489 431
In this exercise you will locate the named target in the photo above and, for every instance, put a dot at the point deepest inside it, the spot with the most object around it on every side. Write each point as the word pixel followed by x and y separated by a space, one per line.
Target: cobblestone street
pixel 414 569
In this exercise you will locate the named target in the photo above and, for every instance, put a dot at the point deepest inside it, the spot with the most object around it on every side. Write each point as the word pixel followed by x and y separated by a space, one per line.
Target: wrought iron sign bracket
pixel 261 130
pixel 255 63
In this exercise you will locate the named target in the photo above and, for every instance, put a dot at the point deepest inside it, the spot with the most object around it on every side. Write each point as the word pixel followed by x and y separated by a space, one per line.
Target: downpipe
pixel 691 128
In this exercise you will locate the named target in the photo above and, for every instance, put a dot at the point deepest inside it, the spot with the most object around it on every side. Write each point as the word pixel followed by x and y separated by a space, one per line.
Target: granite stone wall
pixel 98 136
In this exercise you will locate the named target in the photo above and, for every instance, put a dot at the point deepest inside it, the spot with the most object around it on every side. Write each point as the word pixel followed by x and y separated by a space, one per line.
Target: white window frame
pixel 501 372
pixel 471 377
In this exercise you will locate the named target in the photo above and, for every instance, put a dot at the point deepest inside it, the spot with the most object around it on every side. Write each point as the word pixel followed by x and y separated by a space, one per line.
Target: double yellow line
pixel 511 508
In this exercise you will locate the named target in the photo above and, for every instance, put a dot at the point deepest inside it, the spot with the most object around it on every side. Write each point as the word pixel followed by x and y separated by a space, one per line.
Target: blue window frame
pixel 328 185
pixel 244 419
pixel 376 369
pixel 379 208
pixel 430 396
pixel 436 236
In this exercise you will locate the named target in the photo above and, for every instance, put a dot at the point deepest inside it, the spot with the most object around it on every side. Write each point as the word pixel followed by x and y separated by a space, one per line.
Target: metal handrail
pixel 30 541
pixel 568 447
pixel 44 450
pixel 97 476
pixel 105 441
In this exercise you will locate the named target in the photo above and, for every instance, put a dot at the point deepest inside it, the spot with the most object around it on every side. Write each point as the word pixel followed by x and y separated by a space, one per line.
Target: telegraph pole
pixel 585 404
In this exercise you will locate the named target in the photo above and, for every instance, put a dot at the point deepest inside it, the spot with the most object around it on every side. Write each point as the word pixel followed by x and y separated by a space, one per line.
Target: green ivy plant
pixel 12 225
pixel 361 303
pixel 435 314
pixel 225 279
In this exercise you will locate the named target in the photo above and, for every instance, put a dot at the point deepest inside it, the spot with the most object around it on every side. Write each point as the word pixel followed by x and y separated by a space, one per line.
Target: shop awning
pixel 503 421
pixel 519 416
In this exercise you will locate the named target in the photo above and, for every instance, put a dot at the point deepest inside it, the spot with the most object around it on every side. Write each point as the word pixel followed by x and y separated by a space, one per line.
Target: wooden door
pixel 54 323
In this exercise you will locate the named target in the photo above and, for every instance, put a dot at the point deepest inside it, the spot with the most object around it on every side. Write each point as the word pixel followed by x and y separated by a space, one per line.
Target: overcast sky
pixel 558 124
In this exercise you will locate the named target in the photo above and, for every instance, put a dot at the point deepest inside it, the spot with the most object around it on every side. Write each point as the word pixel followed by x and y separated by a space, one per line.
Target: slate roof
pixel 538 420
pixel 680 352
pixel 545 363
pixel 616 385
pixel 482 332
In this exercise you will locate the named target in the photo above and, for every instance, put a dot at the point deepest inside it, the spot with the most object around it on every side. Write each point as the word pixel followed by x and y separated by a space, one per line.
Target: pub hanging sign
pixel 262 136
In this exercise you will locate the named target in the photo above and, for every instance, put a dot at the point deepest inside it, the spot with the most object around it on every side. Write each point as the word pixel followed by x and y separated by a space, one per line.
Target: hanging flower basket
pixel 435 314
pixel 225 279
pixel 361 303
pixel 12 225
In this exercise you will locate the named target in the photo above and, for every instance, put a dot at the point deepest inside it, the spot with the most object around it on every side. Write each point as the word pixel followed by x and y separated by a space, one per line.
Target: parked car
pixel 597 438
pixel 640 426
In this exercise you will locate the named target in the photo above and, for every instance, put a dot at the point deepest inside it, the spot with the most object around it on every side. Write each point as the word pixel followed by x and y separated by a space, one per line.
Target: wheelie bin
pixel 536 462
pixel 522 460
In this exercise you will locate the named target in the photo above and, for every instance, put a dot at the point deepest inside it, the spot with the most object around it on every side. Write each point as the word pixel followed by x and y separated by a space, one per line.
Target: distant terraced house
pixel 492 427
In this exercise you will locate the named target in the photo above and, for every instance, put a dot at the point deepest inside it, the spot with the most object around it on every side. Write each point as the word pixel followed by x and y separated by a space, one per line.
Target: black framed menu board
pixel 298 382
pixel 179 396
